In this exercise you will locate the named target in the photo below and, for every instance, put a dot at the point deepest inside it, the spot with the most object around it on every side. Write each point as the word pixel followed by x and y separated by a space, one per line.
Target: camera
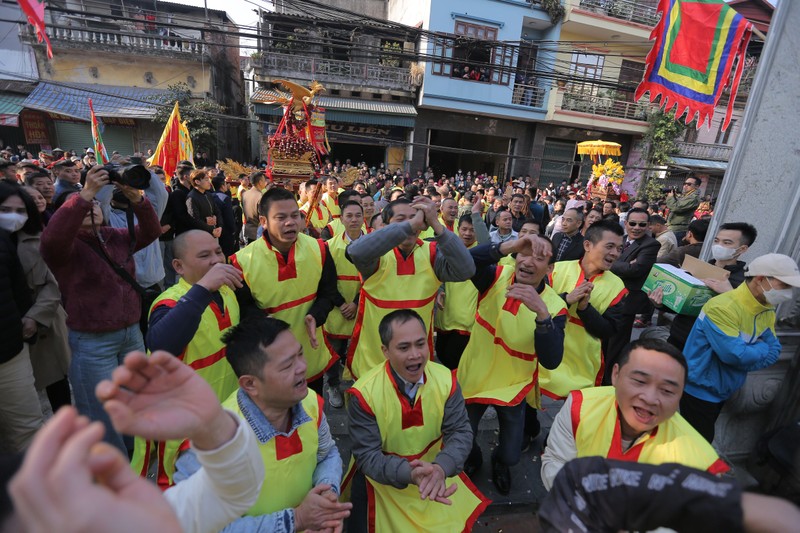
pixel 136 176
pixel 667 190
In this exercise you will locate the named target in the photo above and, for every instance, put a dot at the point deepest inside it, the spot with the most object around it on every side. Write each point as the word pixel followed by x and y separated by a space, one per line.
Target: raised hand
pixel 219 275
pixel 160 398
pixel 72 482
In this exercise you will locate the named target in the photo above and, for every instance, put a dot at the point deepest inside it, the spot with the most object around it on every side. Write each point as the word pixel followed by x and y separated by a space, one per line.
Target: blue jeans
pixel 512 423
pixel 94 357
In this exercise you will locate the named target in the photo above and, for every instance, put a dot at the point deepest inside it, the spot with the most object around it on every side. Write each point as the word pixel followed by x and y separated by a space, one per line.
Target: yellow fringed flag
pixel 175 144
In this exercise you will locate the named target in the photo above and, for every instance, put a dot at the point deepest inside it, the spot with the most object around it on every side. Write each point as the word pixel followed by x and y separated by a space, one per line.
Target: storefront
pixel 61 113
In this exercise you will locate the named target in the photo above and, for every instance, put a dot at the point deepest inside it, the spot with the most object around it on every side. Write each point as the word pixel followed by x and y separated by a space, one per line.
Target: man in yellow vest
pixel 336 226
pixel 330 199
pixel 302 466
pixel 291 276
pixel 594 296
pixel 519 323
pixel 189 319
pixel 410 436
pixel 635 420
pixel 457 300
pixel 401 271
pixel 339 326
pixel 320 216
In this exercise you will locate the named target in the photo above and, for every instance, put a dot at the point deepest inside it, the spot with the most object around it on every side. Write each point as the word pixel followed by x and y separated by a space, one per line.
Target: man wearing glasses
pixel 638 256
pixel 681 209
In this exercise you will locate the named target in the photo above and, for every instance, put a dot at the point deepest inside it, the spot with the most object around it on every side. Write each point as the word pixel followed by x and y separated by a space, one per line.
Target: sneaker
pixel 335 398
pixel 639 323
pixel 501 477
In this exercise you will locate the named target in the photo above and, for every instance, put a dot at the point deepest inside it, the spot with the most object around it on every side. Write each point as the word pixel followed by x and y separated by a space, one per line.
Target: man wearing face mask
pixel 732 240
pixel 734 335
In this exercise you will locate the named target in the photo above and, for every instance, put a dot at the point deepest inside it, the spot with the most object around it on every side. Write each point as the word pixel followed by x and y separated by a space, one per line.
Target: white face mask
pixel 721 253
pixel 775 297
pixel 12 222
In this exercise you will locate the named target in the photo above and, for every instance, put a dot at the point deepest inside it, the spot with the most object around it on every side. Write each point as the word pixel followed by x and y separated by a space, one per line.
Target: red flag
pixel 34 9
pixel 168 151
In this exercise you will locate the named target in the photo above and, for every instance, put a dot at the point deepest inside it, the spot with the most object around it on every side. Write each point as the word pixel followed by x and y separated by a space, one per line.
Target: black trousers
pixel 702 415
pixel 450 346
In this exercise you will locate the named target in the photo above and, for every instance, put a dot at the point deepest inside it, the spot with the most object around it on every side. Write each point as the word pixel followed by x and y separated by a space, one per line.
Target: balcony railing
pixel 629 10
pixel 605 106
pixel 77 36
pixel 528 95
pixel 714 152
pixel 333 71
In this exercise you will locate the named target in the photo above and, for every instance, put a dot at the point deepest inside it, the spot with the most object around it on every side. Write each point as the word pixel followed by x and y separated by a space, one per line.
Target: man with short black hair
pixel 250 199
pixel 8 171
pixel 292 277
pixel 302 466
pixel 693 237
pixel 568 243
pixel 516 206
pixel 595 298
pixel 635 420
pixel 409 426
pixel 633 266
pixel 398 269
pixel 67 176
pixel 201 206
pixel 665 238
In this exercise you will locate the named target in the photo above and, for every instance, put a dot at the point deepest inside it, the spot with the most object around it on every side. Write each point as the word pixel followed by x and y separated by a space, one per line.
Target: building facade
pixel 123 55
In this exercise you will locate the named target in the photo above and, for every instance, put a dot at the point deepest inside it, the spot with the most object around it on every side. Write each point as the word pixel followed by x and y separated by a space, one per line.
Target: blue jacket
pixel 734 335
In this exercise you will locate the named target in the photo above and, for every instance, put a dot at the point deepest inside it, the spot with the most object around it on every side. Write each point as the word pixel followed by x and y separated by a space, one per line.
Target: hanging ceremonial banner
pixel 697 44
pixel 316 130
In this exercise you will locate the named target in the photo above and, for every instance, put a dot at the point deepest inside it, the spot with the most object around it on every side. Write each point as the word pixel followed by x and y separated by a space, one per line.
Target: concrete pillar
pixel 762 187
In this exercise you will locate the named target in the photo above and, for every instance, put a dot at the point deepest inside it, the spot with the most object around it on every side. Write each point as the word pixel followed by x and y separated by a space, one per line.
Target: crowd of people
pixel 415 303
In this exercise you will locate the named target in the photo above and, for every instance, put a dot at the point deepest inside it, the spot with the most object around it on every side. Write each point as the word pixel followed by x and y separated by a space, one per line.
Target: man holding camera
pixel 92 262
pixel 681 209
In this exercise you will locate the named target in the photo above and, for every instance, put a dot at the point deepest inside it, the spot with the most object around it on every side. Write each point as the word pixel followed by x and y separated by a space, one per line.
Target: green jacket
pixel 681 210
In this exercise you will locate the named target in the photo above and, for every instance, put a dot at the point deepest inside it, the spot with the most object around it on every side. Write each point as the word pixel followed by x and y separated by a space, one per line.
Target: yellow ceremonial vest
pixel 336 227
pixel 348 281
pixel 205 353
pixel 332 206
pixel 428 233
pixel 595 426
pixel 582 365
pixel 460 303
pixel 414 432
pixel 286 289
pixel 319 215
pixel 499 365
pixel 289 461
pixel 399 283
pixel 508 261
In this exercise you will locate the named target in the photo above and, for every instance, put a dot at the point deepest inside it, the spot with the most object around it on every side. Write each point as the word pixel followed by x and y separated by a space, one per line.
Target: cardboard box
pixel 683 293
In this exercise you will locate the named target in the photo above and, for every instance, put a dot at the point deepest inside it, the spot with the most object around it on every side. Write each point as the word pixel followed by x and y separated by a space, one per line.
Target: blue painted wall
pixel 481 97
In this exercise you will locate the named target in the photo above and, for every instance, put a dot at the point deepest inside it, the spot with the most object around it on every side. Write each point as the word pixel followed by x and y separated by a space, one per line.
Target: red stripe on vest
pixel 288 446
pixel 165 303
pixel 478 510
pixel 323 250
pixel 223 320
pixel 397 304
pixel 235 262
pixel 290 304
pixel 334 358
pixel 497 271
pixel 718 467
pixel 351 349
pixel 287 269
pixel 620 296
pixel 361 401
pixel 575 412
pixel 321 409
pixel 511 305
pixel 575 320
pixel 432 248
pixel 500 342
pixel 348 278
pixel 208 360
pixel 420 454
pixel 411 415
pixel 370 506
pixel 632 455
pixel 162 479
pixel 405 265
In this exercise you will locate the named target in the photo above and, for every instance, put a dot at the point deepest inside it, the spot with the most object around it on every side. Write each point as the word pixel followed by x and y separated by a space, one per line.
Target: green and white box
pixel 683 293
